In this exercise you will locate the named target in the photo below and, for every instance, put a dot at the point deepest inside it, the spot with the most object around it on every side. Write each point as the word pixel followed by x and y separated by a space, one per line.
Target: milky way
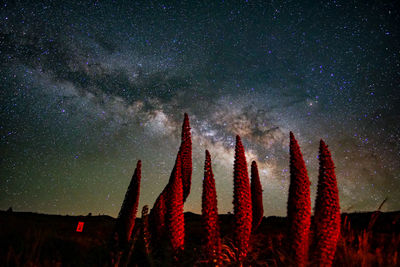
pixel 87 89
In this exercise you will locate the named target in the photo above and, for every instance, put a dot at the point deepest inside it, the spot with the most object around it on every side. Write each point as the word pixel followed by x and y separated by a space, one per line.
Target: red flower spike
pixel 211 249
pixel 241 201
pixel 158 212
pixel 186 154
pixel 327 210
pixel 157 217
pixel 174 217
pixel 298 207
pixel 256 196
pixel 127 215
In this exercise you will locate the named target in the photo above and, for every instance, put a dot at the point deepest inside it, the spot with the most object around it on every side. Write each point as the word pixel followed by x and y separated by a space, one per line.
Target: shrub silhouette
pixel 256 196
pixel 211 247
pixel 186 154
pixel 127 215
pixel 241 202
pixel 298 207
pixel 327 211
pixel 174 217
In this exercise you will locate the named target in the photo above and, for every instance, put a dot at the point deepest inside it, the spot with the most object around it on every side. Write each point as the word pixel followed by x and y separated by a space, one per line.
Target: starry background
pixel 88 88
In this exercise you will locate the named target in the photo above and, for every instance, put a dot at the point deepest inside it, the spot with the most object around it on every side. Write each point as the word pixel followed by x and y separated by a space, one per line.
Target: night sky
pixel 89 88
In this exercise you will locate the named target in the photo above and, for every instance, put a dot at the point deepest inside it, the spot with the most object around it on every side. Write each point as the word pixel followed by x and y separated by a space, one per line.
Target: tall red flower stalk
pixel 327 210
pixel 159 210
pixel 127 215
pixel 186 154
pixel 256 196
pixel 211 249
pixel 157 217
pixel 175 218
pixel 241 201
pixel 298 207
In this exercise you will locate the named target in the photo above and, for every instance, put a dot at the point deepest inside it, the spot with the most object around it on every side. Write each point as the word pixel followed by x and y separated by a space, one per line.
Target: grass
pixel 28 239
pixel 368 246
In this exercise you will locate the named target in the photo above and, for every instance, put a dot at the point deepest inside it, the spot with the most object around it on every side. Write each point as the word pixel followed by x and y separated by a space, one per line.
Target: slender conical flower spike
pixel 241 201
pixel 159 210
pixel 158 213
pixel 157 217
pixel 127 215
pixel 256 196
pixel 298 207
pixel 327 211
pixel 211 249
pixel 174 217
pixel 186 153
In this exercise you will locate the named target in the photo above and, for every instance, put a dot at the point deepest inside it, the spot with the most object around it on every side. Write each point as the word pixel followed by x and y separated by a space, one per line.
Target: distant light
pixel 79 228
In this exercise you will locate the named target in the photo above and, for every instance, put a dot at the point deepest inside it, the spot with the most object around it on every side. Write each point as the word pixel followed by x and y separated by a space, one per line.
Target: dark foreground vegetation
pixel 30 239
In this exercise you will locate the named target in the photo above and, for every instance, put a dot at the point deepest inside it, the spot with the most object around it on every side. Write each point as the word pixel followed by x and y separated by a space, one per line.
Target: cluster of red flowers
pixel 157 217
pixel 256 197
pixel 186 155
pixel 127 215
pixel 177 189
pixel 167 218
pixel 174 217
pixel 326 222
pixel 241 201
pixel 299 205
pixel 327 210
pixel 123 231
pixel 211 248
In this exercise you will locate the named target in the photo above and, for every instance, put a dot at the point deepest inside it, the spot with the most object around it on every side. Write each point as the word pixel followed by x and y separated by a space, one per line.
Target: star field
pixel 89 88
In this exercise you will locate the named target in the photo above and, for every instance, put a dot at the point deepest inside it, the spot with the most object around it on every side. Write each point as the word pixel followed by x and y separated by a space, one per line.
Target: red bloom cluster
pixel 299 206
pixel 157 217
pixel 211 249
pixel 186 154
pixel 241 201
pixel 256 196
pixel 127 215
pixel 159 210
pixel 174 217
pixel 167 218
pixel 327 210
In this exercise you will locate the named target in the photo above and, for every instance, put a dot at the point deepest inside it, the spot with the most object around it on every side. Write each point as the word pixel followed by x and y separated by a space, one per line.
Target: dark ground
pixel 31 239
